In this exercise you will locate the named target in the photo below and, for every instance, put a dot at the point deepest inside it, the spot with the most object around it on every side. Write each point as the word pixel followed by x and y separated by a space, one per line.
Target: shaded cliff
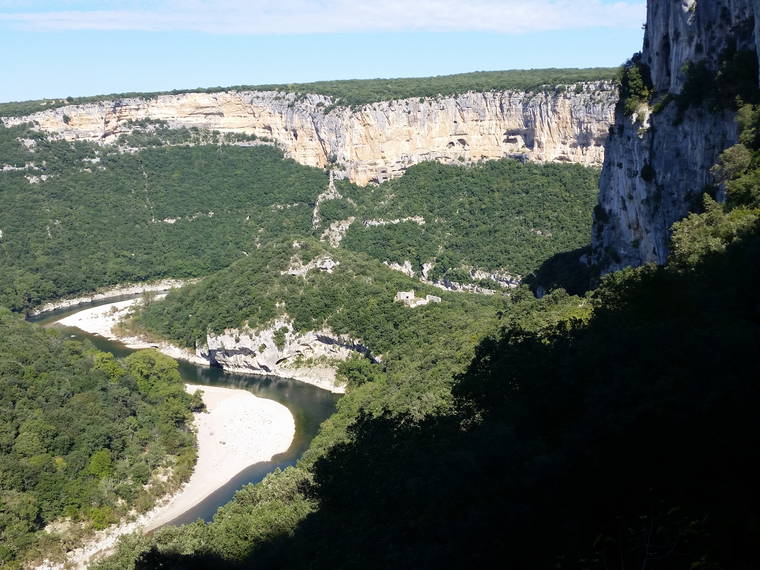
pixel 674 119
pixel 373 142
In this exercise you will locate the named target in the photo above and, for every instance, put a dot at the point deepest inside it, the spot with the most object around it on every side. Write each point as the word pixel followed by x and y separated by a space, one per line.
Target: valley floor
pixel 102 320
pixel 237 430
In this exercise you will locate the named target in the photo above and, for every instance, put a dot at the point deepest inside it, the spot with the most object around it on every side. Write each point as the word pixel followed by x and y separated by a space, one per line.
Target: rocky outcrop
pixel 419 220
pixel 373 142
pixel 331 193
pixel 657 162
pixel 124 290
pixel 500 278
pixel 324 263
pixel 333 235
pixel 278 350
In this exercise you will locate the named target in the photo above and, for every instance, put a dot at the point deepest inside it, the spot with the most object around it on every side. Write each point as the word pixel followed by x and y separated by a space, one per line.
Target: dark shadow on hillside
pixel 626 442
pixel 603 445
pixel 565 270
pixel 153 559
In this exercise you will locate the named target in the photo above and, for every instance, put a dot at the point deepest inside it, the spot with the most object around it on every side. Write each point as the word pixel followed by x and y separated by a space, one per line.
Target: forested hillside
pixel 163 202
pixel 618 430
pixel 626 438
pixel 185 203
pixel 355 298
pixel 83 438
pixel 612 430
pixel 78 216
pixel 496 216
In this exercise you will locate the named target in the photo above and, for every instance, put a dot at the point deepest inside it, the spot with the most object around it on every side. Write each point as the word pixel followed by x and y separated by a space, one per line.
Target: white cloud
pixel 333 16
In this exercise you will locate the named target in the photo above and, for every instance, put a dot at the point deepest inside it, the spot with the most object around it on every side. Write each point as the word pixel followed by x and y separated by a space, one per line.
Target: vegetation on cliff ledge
pixel 364 91
pixel 635 85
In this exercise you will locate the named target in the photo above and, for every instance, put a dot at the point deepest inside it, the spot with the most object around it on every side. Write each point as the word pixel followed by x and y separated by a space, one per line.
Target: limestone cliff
pixel 277 349
pixel 657 161
pixel 374 142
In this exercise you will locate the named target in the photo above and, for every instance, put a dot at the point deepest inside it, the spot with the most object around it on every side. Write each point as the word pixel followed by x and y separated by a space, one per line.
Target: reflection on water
pixel 309 405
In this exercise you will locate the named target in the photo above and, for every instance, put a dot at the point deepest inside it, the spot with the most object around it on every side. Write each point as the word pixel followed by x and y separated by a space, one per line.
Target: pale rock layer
pixel 374 142
pixel 276 349
pixel 310 356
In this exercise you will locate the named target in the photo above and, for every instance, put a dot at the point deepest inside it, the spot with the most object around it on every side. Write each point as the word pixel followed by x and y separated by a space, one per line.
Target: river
pixel 309 405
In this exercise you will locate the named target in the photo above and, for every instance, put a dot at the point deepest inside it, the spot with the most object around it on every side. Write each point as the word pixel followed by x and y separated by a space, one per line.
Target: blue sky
pixel 80 47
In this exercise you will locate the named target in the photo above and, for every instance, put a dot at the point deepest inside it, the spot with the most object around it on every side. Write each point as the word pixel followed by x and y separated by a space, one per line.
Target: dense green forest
pixel 189 203
pixel 612 430
pixel 104 216
pixel 77 216
pixel 81 436
pixel 616 430
pixel 498 215
pixel 363 91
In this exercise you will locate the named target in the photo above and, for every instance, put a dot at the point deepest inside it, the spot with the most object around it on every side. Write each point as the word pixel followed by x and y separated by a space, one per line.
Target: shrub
pixel 635 84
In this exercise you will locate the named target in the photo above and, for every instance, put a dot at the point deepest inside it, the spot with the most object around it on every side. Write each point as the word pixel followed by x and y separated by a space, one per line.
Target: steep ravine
pixel 657 162
pixel 373 142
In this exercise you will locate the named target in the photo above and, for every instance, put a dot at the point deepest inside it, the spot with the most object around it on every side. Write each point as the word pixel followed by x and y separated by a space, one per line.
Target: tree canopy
pixel 81 435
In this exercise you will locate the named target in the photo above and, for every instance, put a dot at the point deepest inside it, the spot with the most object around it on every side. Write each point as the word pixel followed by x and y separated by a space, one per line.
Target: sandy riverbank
pixel 102 320
pixel 116 291
pixel 237 431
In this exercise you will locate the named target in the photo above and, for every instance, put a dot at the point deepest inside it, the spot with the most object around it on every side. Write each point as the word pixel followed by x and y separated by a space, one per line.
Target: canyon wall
pixel 374 142
pixel 657 160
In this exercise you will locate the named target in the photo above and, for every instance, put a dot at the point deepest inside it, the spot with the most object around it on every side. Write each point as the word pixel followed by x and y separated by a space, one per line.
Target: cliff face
pixel 374 142
pixel 310 357
pixel 657 164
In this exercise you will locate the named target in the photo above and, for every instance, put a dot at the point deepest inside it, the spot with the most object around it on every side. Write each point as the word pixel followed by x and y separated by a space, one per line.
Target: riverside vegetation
pixel 84 438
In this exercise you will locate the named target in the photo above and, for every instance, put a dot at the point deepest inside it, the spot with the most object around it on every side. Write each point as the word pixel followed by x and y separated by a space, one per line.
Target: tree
pixel 357 371
pixel 155 373
pixel 100 463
